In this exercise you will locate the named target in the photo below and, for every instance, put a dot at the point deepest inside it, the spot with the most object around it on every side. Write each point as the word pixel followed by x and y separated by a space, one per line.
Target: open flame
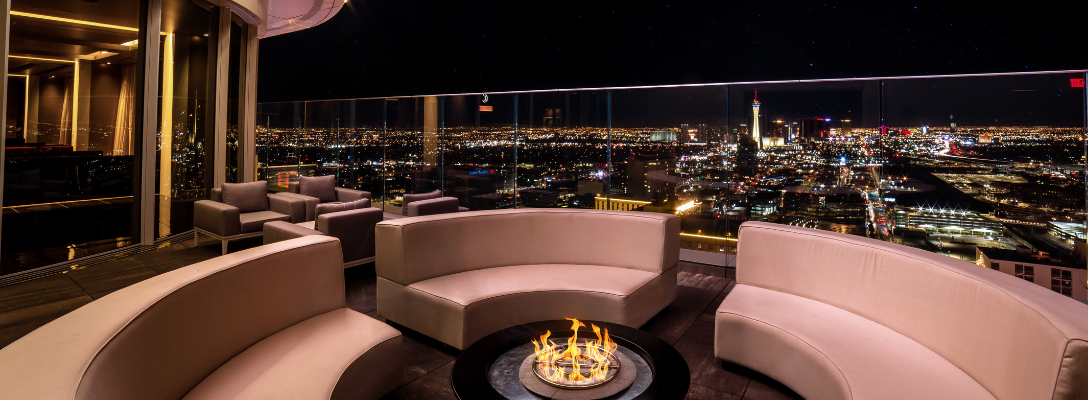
pixel 585 364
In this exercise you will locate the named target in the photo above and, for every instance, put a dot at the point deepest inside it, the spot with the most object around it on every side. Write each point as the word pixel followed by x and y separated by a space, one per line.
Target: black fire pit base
pixel 489 368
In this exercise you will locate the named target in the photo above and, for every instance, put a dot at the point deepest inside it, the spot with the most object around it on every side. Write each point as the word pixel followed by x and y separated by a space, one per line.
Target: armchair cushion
pixel 321 187
pixel 254 221
pixel 409 198
pixel 337 207
pixel 248 197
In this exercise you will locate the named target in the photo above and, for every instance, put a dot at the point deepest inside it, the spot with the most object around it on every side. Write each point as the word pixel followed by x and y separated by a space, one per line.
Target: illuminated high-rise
pixel 755 121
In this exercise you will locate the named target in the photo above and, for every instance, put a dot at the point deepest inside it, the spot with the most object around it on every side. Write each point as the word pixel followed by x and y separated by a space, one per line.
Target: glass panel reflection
pixel 68 184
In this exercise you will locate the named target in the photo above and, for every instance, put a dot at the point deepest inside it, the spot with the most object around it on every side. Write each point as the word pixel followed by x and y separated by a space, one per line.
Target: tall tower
pixel 755 122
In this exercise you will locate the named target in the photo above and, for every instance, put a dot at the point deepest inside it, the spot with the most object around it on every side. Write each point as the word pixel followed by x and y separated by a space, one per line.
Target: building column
pixel 30 117
pixel 222 71
pixel 166 137
pixel 5 33
pixel 147 119
pixel 247 116
pixel 81 107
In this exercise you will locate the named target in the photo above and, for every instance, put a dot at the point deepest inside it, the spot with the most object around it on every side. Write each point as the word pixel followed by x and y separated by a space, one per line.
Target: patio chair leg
pixel 196 238
pixel 224 246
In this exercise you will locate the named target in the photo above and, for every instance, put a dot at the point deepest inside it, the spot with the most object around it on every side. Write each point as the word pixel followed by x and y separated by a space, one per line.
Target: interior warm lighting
pixel 130 43
pixel 74 21
pixel 43 59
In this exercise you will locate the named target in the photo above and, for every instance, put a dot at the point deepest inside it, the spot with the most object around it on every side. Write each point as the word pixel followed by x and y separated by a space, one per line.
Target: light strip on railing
pixel 73 21
pixel 707 237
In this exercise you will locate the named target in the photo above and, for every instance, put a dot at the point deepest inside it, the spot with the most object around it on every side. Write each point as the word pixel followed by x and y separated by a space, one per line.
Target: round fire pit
pixel 564 359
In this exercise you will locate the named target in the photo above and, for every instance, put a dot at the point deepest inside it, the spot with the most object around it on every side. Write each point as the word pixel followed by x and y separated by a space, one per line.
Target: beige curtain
pixel 126 113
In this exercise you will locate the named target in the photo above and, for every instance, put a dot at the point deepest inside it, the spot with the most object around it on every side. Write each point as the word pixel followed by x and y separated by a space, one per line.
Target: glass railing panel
pixel 407 169
pixel 279 126
pixel 562 149
pixel 475 150
pixel 954 165
pixel 357 146
pixel 987 164
pixel 319 142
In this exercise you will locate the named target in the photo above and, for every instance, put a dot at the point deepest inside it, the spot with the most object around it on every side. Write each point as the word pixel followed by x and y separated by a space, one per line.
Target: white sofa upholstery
pixel 836 316
pixel 458 277
pixel 264 323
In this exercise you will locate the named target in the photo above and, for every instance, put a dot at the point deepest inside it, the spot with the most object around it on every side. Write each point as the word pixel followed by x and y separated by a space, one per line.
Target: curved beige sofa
pixel 459 277
pixel 263 323
pixel 835 316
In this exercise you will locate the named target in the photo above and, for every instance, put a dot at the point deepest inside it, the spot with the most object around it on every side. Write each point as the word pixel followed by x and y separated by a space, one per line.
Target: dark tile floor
pixel 687 324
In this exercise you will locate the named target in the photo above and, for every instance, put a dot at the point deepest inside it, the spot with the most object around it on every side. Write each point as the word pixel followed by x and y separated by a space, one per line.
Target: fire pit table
pixel 570 359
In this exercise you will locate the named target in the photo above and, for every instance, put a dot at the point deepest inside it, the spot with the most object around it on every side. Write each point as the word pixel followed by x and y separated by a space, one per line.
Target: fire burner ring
pixel 546 373
pixel 500 365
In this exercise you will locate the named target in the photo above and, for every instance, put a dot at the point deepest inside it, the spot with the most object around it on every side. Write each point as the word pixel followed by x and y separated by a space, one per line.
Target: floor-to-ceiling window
pixel 70 131
pixel 188 56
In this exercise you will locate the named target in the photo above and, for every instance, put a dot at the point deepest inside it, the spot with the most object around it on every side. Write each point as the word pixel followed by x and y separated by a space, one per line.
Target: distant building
pixel 643 188
pixel 591 186
pixel 684 136
pixel 814 128
pixel 1068 278
pixel 663 135
pixel 777 134
pixel 958 222
pixel 538 198
pixel 847 128
pixel 604 203
pixel 756 134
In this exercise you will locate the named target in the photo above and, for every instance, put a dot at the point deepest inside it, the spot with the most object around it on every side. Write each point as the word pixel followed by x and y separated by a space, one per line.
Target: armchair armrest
pixel 278 231
pixel 291 206
pixel 218 218
pixel 441 205
pixel 344 195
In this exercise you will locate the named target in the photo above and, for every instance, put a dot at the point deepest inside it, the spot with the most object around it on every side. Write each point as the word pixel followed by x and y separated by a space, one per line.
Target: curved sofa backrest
pixel 159 338
pixel 418 248
pixel 1018 340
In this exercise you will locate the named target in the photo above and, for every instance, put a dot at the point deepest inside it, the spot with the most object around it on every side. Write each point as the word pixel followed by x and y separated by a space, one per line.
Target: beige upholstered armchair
pixel 314 190
pixel 354 228
pixel 239 210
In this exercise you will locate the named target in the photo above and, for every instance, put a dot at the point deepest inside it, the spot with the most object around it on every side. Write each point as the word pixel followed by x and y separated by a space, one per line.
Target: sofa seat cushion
pixel 461 308
pixel 340 354
pixel 254 221
pixel 824 352
pixel 308 225
pixel 470 287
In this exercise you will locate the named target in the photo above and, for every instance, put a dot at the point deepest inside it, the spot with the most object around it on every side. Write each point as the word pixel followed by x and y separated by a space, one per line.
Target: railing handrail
pixel 688 85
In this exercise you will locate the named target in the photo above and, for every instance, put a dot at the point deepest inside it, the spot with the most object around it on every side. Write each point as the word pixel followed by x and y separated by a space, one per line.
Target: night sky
pixel 409 47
